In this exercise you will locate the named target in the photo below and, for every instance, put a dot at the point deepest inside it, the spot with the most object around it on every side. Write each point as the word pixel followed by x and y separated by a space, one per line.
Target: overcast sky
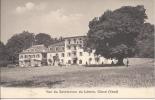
pixel 58 17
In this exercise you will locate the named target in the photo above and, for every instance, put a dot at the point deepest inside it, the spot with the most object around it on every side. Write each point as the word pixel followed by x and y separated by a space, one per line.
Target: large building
pixel 68 51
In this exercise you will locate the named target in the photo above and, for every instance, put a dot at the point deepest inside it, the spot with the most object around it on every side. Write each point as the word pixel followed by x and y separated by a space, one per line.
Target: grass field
pixel 140 73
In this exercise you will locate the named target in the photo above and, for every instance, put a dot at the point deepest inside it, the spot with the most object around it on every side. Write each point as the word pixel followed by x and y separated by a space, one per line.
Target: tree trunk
pixel 120 61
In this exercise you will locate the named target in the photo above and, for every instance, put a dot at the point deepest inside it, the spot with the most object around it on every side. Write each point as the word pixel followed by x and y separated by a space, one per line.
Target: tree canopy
pixel 113 35
pixel 24 40
pixel 43 38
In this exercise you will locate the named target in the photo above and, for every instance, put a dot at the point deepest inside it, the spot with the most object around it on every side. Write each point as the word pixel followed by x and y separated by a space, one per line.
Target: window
pixel 56 48
pixel 97 59
pixel 37 56
pixel 29 56
pixel 69 47
pixel 56 55
pixel 69 61
pixel 21 56
pixel 74 47
pixel 33 50
pixel 62 54
pixel 69 54
pixel 90 59
pixel 63 48
pixel 74 40
pixel 80 46
pixel 69 41
pixel 80 61
pixel 33 56
pixel 25 56
pixel 62 60
pixel 74 53
pixel 80 53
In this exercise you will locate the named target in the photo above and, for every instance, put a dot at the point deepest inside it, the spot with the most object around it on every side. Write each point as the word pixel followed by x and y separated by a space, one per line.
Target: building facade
pixel 33 56
pixel 68 51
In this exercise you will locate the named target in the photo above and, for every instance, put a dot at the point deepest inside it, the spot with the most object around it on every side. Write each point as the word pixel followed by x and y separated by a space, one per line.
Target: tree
pixel 3 55
pixel 145 41
pixel 2 50
pixel 113 34
pixel 43 38
pixel 17 43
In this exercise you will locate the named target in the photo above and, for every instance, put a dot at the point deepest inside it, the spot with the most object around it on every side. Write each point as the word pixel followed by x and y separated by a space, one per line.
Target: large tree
pixel 113 34
pixel 17 43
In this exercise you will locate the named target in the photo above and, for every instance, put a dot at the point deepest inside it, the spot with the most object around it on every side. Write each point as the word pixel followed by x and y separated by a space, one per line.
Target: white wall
pixel 85 55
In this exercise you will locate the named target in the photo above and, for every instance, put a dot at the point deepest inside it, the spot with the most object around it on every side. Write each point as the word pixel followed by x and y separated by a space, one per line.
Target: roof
pixel 41 48
pixel 35 49
pixel 74 37
pixel 60 43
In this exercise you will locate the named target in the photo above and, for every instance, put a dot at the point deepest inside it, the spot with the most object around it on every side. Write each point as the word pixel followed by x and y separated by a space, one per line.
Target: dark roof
pixel 74 37
pixel 35 49
pixel 60 43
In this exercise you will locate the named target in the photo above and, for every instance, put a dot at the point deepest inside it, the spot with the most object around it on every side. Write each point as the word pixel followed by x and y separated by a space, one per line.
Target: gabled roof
pixel 35 49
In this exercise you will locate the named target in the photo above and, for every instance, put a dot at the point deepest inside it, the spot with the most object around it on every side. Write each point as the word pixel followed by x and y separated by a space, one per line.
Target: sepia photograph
pixel 77 49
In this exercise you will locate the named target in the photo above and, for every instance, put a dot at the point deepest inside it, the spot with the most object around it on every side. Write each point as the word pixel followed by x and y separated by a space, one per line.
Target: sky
pixel 58 17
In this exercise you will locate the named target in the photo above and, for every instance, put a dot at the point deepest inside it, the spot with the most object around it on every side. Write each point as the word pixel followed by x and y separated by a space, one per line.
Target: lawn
pixel 140 73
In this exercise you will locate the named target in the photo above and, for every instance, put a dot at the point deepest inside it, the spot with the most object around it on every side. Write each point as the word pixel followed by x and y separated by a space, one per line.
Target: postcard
pixel 77 49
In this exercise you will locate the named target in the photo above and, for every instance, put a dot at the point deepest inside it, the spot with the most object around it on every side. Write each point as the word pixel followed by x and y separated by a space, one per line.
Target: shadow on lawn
pixel 32 83
pixel 105 65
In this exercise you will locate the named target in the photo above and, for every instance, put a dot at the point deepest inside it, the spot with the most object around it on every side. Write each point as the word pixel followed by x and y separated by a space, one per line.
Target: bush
pixel 4 63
